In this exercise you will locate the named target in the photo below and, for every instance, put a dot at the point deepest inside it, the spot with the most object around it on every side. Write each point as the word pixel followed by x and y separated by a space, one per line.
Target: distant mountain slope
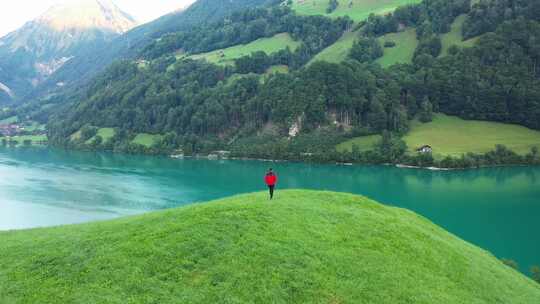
pixel 32 53
pixel 83 68
pixel 303 247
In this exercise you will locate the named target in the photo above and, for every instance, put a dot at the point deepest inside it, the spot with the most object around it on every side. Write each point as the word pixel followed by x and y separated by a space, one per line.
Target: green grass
pixel 277 69
pixel 267 45
pixel 35 126
pixel 105 133
pixel 403 52
pixel 302 247
pixel 76 136
pixel 9 120
pixel 449 135
pixel 359 10
pixel 455 37
pixel 338 51
pixel 36 139
pixel 364 143
pixel 146 140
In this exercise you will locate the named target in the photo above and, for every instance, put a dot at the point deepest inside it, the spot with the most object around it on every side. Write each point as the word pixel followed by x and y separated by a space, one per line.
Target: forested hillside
pixel 77 72
pixel 198 106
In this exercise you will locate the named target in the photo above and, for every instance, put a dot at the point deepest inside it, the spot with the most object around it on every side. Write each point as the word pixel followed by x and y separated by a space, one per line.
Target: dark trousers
pixel 271 189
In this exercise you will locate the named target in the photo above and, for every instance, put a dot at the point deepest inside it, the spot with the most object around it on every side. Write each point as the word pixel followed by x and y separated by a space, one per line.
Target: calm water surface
pixel 497 209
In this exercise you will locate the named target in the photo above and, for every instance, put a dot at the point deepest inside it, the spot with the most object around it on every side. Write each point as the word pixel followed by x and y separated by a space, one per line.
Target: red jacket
pixel 270 179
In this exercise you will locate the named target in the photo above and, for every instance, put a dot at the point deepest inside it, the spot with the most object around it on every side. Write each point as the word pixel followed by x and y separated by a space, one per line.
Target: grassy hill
pixel 338 51
pixel 364 143
pixel 302 247
pixel 267 45
pixel 450 135
pixel 146 140
pixel 357 10
pixel 455 36
pixel 403 52
pixel 105 133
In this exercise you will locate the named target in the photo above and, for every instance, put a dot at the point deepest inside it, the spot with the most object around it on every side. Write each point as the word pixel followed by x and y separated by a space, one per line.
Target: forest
pixel 200 107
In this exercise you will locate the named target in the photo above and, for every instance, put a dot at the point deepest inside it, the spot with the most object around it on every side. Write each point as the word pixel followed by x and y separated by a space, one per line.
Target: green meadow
pixel 104 133
pixel 450 135
pixel 268 45
pixel 9 120
pixel 455 36
pixel 35 139
pixel 403 52
pixel 453 136
pixel 338 51
pixel 364 143
pixel 302 247
pixel 357 10
pixel 145 139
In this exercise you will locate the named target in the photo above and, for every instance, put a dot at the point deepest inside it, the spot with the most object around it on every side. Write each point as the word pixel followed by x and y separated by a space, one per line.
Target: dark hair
pixel 270 169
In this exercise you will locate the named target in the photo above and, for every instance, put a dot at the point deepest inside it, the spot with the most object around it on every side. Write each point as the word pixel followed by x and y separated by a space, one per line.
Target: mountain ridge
pixel 41 46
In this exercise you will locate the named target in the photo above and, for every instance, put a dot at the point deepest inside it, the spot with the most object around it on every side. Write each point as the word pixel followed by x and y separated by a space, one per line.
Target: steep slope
pixel 302 247
pixel 77 71
pixel 35 51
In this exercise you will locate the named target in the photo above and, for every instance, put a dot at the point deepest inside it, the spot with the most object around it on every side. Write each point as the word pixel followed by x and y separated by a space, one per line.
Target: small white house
pixel 425 149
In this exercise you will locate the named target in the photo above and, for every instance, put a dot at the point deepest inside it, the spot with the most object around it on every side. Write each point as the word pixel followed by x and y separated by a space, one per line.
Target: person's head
pixel 270 170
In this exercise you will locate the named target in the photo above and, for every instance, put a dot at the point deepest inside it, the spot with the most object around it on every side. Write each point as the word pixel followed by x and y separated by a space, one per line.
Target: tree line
pixel 202 107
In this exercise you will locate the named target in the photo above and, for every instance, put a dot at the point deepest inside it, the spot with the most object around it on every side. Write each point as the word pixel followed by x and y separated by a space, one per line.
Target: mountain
pixel 81 69
pixel 29 55
pixel 302 247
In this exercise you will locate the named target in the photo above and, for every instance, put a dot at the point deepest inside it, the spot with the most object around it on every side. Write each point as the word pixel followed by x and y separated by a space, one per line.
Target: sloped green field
pixel 357 10
pixel 105 133
pixel 450 135
pixel 302 247
pixel 364 143
pixel 145 139
pixel 338 51
pixel 403 52
pixel 455 36
pixel 267 45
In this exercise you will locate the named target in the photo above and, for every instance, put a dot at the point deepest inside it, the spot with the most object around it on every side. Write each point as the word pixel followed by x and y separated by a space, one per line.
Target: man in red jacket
pixel 271 180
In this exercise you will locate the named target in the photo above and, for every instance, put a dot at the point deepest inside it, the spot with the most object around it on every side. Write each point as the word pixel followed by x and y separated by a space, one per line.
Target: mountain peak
pixel 87 14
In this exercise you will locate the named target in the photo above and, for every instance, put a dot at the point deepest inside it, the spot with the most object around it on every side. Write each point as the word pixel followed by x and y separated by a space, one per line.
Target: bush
pixel 510 263
pixel 535 272
pixel 389 44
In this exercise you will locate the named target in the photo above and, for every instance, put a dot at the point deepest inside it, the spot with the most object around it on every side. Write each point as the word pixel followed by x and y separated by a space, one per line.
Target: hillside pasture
pixel 364 143
pixel 357 10
pixel 450 135
pixel 403 52
pixel 455 36
pixel 338 51
pixel 268 45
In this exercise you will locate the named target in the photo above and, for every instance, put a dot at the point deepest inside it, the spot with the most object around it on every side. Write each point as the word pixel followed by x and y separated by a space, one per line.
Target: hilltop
pixel 303 247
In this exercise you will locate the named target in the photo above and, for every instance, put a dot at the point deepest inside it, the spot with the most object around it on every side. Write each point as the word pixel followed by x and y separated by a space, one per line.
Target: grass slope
pixel 364 143
pixel 357 10
pixel 146 140
pixel 105 133
pixel 303 247
pixel 338 51
pixel 455 36
pixel 449 135
pixel 403 52
pixel 36 139
pixel 267 45
pixel 9 120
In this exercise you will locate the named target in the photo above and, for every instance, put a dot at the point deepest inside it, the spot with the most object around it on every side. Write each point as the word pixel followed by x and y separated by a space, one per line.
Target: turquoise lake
pixel 497 209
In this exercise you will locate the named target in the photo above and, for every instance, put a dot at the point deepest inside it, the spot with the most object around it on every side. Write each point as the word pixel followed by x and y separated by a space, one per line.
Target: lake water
pixel 497 208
